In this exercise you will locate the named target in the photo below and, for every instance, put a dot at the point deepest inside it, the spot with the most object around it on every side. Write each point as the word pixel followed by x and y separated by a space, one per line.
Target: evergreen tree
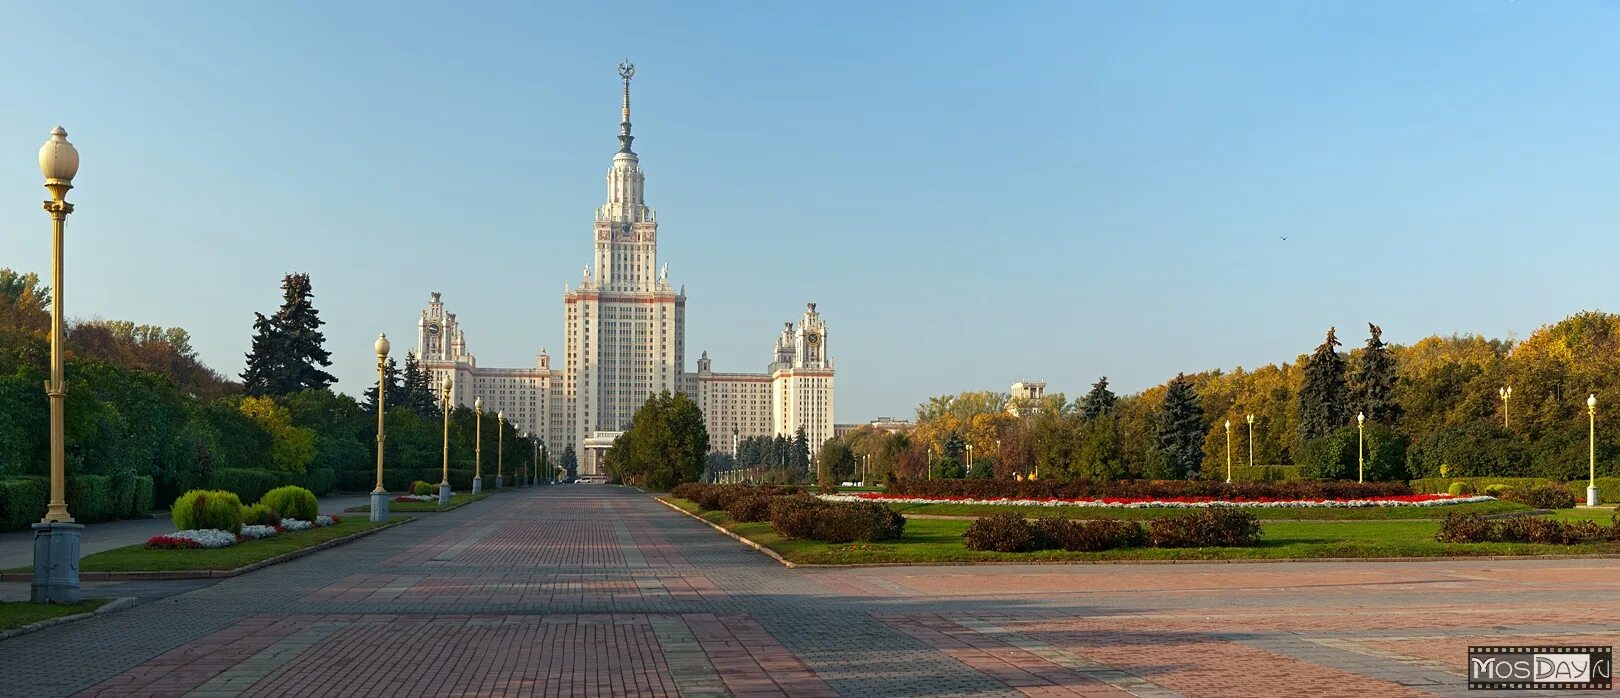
pixel 955 447
pixel 801 453
pixel 416 389
pixel 1375 380
pixel 1099 400
pixel 569 462
pixel 288 352
pixel 1324 399
pixel 1181 429
pixel 395 394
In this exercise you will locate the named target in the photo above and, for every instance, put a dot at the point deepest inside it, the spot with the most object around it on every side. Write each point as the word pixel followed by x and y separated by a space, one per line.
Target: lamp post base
pixel 499 481
pixel 56 563
pixel 379 506
pixel 444 494
pixel 1591 496
pixel 478 485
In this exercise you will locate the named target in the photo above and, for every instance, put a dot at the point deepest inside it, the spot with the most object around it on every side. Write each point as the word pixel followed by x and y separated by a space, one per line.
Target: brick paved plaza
pixel 596 590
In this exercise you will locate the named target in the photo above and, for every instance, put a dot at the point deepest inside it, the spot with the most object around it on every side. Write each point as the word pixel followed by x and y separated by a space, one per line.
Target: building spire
pixel 627 70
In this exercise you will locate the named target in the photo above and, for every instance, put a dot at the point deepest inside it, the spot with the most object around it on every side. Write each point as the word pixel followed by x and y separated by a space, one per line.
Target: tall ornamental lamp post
pixel 969 471
pixel 1361 439
pixel 379 495
pixel 1506 393
pixel 56 536
pixel 1251 442
pixel 478 445
pixel 1591 444
pixel 1228 451
pixel 500 448
pixel 444 483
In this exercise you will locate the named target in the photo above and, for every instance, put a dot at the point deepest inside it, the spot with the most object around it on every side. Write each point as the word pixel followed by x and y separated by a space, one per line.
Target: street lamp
pixel 500 446
pixel 1361 420
pixel 379 496
pixel 1251 442
pixel 478 445
pixel 444 484
pixel 1591 426
pixel 56 536
pixel 1228 451
pixel 969 471
pixel 1506 393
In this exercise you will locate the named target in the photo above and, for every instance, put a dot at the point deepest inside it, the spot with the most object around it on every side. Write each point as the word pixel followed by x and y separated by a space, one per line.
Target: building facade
pixel 625 340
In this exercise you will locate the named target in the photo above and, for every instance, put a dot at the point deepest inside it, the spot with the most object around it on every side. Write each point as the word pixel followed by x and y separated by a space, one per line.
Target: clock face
pixel 433 328
pixel 812 339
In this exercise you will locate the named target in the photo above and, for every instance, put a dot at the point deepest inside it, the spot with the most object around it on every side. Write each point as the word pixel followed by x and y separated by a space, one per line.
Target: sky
pixel 972 193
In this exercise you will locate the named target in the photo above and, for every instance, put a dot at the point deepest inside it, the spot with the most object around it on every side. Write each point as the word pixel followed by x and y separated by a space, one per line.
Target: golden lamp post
pixel 444 484
pixel 500 447
pixel 56 536
pixel 478 445
pixel 1251 443
pixel 1506 393
pixel 1228 451
pixel 1361 440
pixel 1591 445
pixel 379 496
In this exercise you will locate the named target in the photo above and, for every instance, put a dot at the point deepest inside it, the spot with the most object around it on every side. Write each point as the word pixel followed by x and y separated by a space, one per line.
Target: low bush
pixel 1437 485
pixel 1002 533
pixel 216 509
pixel 802 516
pixel 1496 490
pixel 1541 497
pixel 260 515
pixel 1608 489
pixel 23 501
pixel 1266 473
pixel 145 490
pixel 796 517
pixel 750 507
pixel 1215 527
pixel 1458 489
pixel 1473 528
pixel 422 488
pixel 321 480
pixel 292 502
pixel 90 498
pixel 1146 489
pixel 1090 536
pixel 249 485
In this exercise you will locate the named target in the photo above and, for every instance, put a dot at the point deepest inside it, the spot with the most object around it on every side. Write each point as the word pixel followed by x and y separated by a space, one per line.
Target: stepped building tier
pixel 625 340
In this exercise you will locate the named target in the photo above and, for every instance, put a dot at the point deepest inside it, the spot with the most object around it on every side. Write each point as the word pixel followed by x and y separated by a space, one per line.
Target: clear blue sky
pixel 973 194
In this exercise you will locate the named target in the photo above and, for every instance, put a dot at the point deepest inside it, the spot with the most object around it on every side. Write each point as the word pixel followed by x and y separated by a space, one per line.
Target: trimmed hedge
pixel 1207 528
pixel 215 509
pixel 1002 533
pixel 292 502
pixel 1541 497
pixel 1091 536
pixel 322 480
pixel 1265 473
pixel 249 485
pixel 1608 490
pixel 1441 485
pixel 90 498
pixel 803 516
pixel 23 501
pixel 1473 528
pixel 1076 489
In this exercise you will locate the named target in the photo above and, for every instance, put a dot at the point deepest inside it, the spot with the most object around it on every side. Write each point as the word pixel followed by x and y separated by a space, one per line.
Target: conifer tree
pixel 801 452
pixel 1375 380
pixel 417 392
pixel 569 462
pixel 395 394
pixel 1181 428
pixel 1099 400
pixel 288 352
pixel 1324 399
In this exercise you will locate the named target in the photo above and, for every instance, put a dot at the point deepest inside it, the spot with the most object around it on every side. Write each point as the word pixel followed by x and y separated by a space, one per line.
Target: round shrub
pixel 1542 497
pixel 751 507
pixel 1458 489
pixel 1215 527
pixel 260 515
pixel 199 509
pixel 292 502
pixel 1002 533
pixel 1090 536
pixel 422 488
pixel 1465 528
pixel 1497 490
pixel 847 522
pixel 796 517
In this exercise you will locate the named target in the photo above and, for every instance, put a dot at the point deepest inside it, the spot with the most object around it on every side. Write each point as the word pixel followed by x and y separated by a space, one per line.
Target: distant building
pixel 1025 393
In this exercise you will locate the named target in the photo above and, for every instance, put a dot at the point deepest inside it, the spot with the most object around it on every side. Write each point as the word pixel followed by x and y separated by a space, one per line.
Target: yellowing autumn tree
pixel 291 448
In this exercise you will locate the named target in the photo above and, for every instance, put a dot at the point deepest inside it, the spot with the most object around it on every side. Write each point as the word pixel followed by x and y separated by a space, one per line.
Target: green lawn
pixel 941 541
pixel 456 499
pixel 15 614
pixel 1264 513
pixel 138 558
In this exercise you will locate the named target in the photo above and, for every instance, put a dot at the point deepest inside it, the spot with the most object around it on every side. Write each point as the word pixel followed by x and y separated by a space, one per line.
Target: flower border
pixel 1410 500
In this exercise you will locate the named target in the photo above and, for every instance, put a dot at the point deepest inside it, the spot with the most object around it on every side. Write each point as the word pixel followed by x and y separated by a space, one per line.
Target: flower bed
pixel 215 538
pixel 416 498
pixel 1083 489
pixel 1409 500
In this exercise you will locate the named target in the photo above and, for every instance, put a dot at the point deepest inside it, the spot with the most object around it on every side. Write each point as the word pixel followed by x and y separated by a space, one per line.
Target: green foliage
pixel 1542 497
pixel 422 488
pixel 90 498
pixel 837 461
pixel 1608 490
pixel 569 462
pixel 1458 489
pixel 320 480
pixel 1334 456
pixel 664 446
pixel 260 515
pixel 250 485
pixel 1181 431
pixel 291 447
pixel 23 501
pixel 1374 381
pixel 215 509
pixel 1480 450
pixel 1266 473
pixel 288 352
pixel 1323 398
pixel 1101 449
pixel 292 502
pixel 1099 400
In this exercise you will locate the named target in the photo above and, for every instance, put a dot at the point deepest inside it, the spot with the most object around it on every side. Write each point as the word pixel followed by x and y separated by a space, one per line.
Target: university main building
pixel 626 341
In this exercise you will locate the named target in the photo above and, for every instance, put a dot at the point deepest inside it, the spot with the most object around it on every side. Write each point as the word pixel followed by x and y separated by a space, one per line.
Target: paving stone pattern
pixel 595 590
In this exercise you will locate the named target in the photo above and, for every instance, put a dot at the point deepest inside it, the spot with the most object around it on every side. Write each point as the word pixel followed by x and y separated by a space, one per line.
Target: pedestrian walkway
pixel 588 591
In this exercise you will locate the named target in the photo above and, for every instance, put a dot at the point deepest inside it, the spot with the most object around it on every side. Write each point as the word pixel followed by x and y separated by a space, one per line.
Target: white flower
pixel 295 525
pixel 324 520
pixel 257 532
pixel 207 537
pixel 1160 504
